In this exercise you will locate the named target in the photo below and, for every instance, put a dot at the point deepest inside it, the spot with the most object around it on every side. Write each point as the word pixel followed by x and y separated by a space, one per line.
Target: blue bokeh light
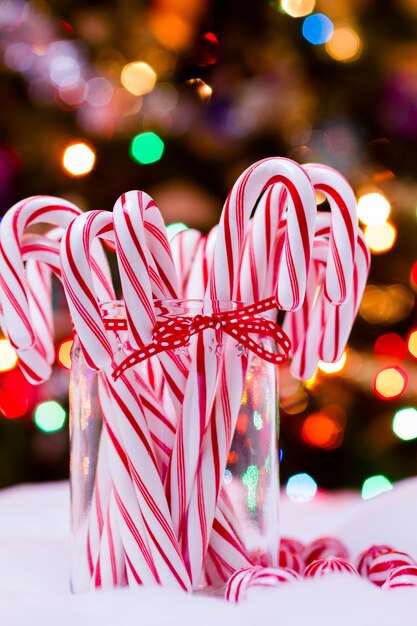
pixel 318 28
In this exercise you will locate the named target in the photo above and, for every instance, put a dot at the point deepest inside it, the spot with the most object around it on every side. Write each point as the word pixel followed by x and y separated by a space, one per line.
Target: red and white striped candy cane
pixel 240 583
pixel 344 230
pixel 299 233
pixel 184 246
pixel 133 448
pixel 20 307
pixel 321 330
pixel 226 387
pixel 34 210
pixel 143 252
pixel 198 277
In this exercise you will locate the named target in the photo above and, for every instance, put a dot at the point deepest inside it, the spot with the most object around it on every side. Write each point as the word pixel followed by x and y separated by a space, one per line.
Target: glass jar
pixel 247 506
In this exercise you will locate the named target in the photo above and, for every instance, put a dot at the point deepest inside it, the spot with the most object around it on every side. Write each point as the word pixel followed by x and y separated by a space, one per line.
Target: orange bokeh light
pixel 63 353
pixel 322 430
pixel 390 382
pixel 412 343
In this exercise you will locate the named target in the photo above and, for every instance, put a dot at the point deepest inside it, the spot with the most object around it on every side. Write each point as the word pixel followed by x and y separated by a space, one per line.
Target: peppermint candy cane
pixel 33 344
pixel 324 330
pixel 198 277
pixel 184 246
pixel 344 231
pixel 134 447
pixel 143 253
pixel 299 234
pixel 227 385
pixel 16 310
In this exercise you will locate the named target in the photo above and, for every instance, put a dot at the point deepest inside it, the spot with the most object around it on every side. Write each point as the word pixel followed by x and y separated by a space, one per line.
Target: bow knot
pixel 239 324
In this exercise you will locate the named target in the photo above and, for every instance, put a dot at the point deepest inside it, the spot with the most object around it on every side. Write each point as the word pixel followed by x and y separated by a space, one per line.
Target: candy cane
pixel 215 443
pixel 325 328
pixel 344 231
pixel 13 296
pixel 134 447
pixel 33 344
pixel 184 246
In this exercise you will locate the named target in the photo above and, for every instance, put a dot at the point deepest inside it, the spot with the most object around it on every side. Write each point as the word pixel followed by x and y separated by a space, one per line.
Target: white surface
pixel 34 569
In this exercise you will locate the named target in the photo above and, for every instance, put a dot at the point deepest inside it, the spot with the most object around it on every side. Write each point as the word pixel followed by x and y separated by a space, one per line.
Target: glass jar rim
pixel 179 303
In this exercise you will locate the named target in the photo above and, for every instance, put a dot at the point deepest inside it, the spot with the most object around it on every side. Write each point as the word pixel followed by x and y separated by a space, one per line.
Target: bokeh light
pixel 49 416
pixel 15 394
pixel 391 344
pixel 63 353
pixel 317 28
pixel 412 344
pixel 404 424
pixel 333 368
pixel 298 8
pixel 200 88
pixel 373 209
pixel 8 356
pixel 380 237
pixel 146 148
pixel 386 304
pixel 374 486
pixel 322 430
pixel 345 44
pixel 174 229
pixel 301 488
pixel 390 382
pixel 78 159
pixel 138 78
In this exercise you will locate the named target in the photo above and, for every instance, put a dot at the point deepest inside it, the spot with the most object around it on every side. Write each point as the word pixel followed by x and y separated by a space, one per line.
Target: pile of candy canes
pixel 159 515
pixel 382 565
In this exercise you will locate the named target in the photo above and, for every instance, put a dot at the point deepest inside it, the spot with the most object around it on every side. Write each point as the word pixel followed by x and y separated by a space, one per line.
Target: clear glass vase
pixel 245 524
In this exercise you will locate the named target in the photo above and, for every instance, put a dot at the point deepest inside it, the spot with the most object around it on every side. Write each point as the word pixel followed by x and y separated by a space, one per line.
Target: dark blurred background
pixel 177 98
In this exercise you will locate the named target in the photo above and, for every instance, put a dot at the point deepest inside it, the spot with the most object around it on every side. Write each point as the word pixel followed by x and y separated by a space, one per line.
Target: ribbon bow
pixel 238 324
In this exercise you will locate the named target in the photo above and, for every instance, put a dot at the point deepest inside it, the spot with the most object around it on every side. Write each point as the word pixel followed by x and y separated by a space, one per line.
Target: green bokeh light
pixel 49 416
pixel 146 148
pixel 175 228
pixel 250 480
pixel 374 486
pixel 257 420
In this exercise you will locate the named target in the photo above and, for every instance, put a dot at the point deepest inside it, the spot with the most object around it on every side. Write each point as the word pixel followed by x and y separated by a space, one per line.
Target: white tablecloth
pixel 34 555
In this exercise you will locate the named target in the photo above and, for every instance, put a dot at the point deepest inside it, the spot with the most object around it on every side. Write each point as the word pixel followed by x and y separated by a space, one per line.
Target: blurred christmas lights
pixel 317 28
pixel 15 394
pixel 49 416
pixel 298 8
pixel 333 368
pixel 386 304
pixel 174 229
pixel 78 159
pixel 345 44
pixel 322 430
pixel 412 344
pixel 138 78
pixel 404 424
pixel 63 353
pixel 380 237
pixel 373 209
pixel 8 356
pixel 390 382
pixel 146 148
pixel 301 488
pixel 374 486
pixel 201 89
pixel 391 344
